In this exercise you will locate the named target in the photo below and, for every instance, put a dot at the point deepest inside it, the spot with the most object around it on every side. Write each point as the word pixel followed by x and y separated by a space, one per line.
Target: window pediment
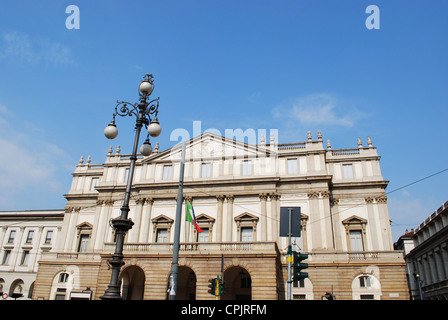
pixel 246 217
pixel 204 218
pixel 162 219
pixel 84 226
pixel 354 220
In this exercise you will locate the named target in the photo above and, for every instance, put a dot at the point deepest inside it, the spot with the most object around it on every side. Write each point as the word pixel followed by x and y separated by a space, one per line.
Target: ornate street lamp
pixel 143 111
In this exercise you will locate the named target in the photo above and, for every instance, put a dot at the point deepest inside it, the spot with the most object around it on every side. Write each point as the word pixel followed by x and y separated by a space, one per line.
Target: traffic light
pixel 298 266
pixel 221 287
pixel 212 287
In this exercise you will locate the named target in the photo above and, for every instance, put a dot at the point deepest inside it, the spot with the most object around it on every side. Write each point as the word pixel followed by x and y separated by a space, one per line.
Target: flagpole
pixel 172 285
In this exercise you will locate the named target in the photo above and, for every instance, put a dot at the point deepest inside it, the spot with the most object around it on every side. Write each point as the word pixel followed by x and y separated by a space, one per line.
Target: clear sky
pixel 295 66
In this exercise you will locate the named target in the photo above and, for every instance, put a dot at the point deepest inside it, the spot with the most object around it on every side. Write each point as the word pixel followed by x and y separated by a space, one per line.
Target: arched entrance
pixel 186 284
pixel 133 283
pixel 16 289
pixel 238 284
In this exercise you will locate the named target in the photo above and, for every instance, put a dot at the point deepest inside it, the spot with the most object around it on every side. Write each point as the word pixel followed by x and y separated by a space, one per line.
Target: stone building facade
pixel 24 236
pixel 427 262
pixel 237 190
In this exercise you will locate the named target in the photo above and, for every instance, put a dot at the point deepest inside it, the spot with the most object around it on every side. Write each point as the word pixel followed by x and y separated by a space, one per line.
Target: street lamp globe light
pixel 111 131
pixel 146 148
pixel 154 128
pixel 146 87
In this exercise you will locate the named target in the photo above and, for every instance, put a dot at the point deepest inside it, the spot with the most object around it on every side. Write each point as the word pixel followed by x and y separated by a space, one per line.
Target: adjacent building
pixel 24 236
pixel 237 190
pixel 427 261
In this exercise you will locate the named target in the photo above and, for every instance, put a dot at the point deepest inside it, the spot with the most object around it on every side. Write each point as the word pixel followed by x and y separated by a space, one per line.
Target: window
pixel 48 236
pixel 83 242
pixel 247 168
pixel 94 182
pixel 292 166
pixel 367 297
pixel 162 236
pixel 60 294
pixel 29 237
pixel 126 175
pixel 25 256
pixel 246 224
pixel 206 170
pixel 167 172
pixel 347 171
pixel 161 229
pixel 246 234
pixel 356 240
pixel 12 235
pixel 365 282
pixel 6 256
pixel 63 277
pixel 204 236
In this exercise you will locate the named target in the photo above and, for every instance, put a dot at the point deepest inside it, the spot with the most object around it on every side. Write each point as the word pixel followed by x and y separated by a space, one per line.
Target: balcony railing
pixel 229 248
pixel 197 247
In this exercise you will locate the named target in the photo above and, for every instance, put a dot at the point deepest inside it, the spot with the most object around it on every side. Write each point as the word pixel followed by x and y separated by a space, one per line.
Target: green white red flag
pixel 191 217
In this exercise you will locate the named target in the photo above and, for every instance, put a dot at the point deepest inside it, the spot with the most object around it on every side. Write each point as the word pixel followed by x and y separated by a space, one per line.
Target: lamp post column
pixel 123 224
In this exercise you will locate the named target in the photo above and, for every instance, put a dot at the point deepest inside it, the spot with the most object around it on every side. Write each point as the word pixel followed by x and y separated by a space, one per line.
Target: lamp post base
pixel 112 293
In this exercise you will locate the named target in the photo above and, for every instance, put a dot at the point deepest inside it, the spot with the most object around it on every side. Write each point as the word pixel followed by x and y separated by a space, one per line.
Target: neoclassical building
pixel 24 236
pixel 237 191
pixel 427 257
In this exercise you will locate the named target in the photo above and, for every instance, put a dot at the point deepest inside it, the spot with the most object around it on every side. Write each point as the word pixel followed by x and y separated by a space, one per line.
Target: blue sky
pixel 295 66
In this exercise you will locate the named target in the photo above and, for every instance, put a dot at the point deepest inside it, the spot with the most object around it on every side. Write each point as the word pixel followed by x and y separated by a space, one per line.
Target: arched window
pixel 366 287
pixel 61 286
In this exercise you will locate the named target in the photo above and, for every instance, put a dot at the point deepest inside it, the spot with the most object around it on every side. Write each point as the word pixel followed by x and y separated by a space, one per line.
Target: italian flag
pixel 191 217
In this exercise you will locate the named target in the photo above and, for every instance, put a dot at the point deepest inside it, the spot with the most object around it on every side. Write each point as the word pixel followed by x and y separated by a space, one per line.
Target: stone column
pixel 97 228
pixel 263 218
pixel 135 231
pixel 384 222
pixel 317 232
pixel 71 229
pixel 62 233
pixel 229 230
pixel 339 237
pixel 275 216
pixel 107 234
pixel 144 227
pixel 327 221
pixel 220 199
pixel 375 232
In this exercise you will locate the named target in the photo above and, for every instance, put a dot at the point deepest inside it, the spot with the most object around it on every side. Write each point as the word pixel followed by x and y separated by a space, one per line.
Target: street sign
pixel 295 221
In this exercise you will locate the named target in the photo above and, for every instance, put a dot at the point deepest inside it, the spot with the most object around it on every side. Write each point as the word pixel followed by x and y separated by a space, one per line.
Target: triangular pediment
pixel 162 219
pixel 204 218
pixel 84 226
pixel 210 146
pixel 354 220
pixel 246 216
